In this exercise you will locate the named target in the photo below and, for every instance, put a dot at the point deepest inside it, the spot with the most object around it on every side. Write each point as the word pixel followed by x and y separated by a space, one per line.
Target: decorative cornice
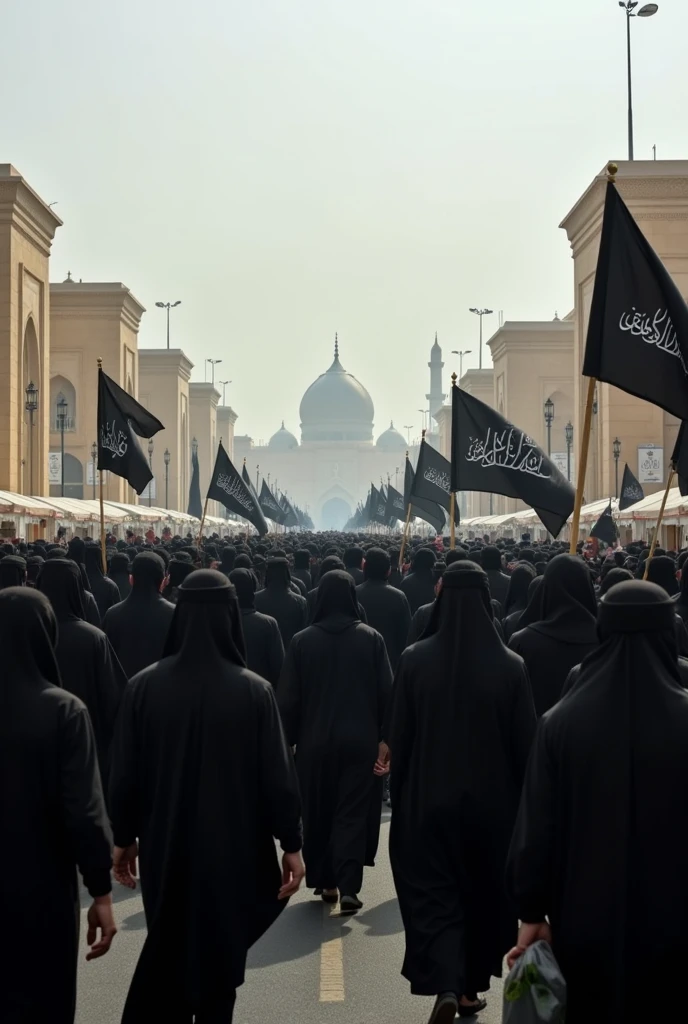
pixel 24 209
pixel 160 360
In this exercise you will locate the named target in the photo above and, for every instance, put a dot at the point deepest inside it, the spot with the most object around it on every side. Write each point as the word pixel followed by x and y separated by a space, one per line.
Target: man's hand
pixel 383 758
pixel 124 865
pixel 293 874
pixel 100 918
pixel 528 934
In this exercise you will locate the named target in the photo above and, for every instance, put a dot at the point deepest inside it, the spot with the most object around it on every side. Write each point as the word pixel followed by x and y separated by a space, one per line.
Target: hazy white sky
pixel 292 169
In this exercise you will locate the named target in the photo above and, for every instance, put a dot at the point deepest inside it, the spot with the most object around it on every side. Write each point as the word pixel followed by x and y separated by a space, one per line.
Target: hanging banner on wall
pixel 54 467
pixel 650 464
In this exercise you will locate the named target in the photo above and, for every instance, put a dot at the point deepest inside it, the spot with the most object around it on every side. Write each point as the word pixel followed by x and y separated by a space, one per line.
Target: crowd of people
pixel 173 719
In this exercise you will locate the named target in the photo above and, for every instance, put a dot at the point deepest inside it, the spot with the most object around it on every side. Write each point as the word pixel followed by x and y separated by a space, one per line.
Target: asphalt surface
pixel 312 967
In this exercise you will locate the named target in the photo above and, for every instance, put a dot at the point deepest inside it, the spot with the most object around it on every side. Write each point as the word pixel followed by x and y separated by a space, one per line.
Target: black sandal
pixel 473 1010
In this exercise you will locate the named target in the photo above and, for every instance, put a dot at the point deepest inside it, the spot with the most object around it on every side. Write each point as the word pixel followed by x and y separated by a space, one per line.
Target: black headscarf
pixel 569 606
pixel 206 626
pixel 120 571
pixel 244 582
pixel 76 550
pixel 33 567
pixel 663 572
pixel 336 604
pixel 462 616
pixel 612 578
pixel 12 571
pixel 28 637
pixel 533 612
pixel 60 581
pixel 517 594
pixel 277 575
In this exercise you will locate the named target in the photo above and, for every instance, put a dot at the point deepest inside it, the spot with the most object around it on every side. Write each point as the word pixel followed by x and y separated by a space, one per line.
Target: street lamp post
pixel 213 363
pixel 166 458
pixel 150 463
pixel 61 422
pixel 466 352
pixel 616 450
pixel 94 456
pixel 647 11
pixel 423 413
pixel 31 406
pixel 549 417
pixel 168 306
pixel 224 384
pixel 408 430
pixel 568 431
pixel 481 313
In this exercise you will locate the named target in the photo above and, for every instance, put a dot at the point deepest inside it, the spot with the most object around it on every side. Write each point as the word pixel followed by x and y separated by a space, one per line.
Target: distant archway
pixel 74 479
pixel 62 388
pixel 335 514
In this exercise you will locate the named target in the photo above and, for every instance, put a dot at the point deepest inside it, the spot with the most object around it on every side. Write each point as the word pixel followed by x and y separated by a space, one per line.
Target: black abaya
pixel 264 647
pixel 599 845
pixel 419 588
pixel 462 723
pixel 52 817
pixel 387 611
pixel 332 696
pixel 137 628
pixel 203 776
pixel 105 590
pixel 280 602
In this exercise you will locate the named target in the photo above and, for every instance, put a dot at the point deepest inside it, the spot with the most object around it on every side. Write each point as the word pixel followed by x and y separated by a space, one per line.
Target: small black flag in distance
pixel 380 511
pixel 679 459
pixel 395 505
pixel 490 454
pixel 290 517
pixel 373 502
pixel 631 491
pixel 120 419
pixel 268 503
pixel 432 481
pixel 195 502
pixel 638 330
pixel 429 511
pixel 227 487
pixel 605 528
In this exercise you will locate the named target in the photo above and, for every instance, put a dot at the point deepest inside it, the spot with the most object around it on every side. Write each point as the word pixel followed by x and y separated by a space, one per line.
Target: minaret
pixel 436 397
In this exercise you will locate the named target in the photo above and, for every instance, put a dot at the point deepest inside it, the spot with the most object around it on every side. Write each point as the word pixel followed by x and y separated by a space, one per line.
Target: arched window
pixel 62 391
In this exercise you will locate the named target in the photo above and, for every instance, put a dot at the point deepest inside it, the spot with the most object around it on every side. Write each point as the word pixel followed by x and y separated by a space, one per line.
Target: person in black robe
pixel 332 696
pixel 461 726
pixel 12 571
pixel 419 585
pixel 517 597
pixel 302 566
pixel 137 628
pixel 264 647
pixel 597 861
pixel 566 634
pixel 387 609
pixel 33 568
pixel 663 572
pixel 331 563
pixel 612 578
pixel 52 819
pixel 177 571
pixel 120 573
pixel 75 552
pixel 202 774
pixel 491 561
pixel 353 563
pixel 105 590
pixel 88 666
pixel 280 602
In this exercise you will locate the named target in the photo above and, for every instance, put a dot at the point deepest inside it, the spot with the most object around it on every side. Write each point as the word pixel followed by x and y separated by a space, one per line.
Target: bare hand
pixel 528 934
pixel 382 764
pixel 124 865
pixel 293 874
pixel 100 918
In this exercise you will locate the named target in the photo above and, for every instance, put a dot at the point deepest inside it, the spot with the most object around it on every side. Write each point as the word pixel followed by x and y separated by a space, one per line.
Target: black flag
pixel 428 511
pixel 195 503
pixel 395 505
pixel 433 479
pixel 631 491
pixel 638 331
pixel 227 487
pixel 605 528
pixel 373 501
pixel 290 517
pixel 120 420
pixel 380 509
pixel 268 503
pixel 247 479
pixel 490 454
pixel 679 459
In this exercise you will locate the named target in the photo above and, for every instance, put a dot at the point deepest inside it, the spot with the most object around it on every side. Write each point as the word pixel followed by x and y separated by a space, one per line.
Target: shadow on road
pixel 384 919
pixel 297 933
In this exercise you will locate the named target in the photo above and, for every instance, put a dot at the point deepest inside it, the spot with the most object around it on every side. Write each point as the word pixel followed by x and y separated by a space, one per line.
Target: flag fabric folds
pixel 679 459
pixel 290 517
pixel 638 329
pixel 492 455
pixel 121 421
pixel 429 511
pixel 631 491
pixel 195 507
pixel 269 506
pixel 395 505
pixel 605 528
pixel 380 507
pixel 432 480
pixel 227 487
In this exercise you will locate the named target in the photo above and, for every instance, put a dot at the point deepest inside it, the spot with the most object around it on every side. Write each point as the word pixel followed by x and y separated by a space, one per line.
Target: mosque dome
pixel 336 407
pixel 391 440
pixel 283 440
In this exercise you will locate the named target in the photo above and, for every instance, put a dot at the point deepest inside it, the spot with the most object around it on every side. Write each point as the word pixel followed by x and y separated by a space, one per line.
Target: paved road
pixel 311 968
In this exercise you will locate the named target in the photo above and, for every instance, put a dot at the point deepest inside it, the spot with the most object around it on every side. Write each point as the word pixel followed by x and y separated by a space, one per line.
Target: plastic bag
pixel 535 990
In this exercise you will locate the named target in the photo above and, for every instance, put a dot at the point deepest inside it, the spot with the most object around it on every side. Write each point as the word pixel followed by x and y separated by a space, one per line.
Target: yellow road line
pixel 331 959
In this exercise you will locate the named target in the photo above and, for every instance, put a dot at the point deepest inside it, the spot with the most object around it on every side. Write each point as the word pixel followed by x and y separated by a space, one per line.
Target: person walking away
pixel 517 597
pixel 419 584
pixel 332 695
pixel 105 590
pixel 491 561
pixel 353 562
pixel 461 726
pixel 264 647
pixel 203 776
pixel 137 628
pixel 52 818
pixel 120 573
pixel 387 609
pixel 280 602
pixel 597 863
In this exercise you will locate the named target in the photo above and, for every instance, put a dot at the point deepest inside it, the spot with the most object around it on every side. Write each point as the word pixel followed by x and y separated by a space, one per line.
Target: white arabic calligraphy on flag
pixel 438 478
pixel 235 488
pixel 508 449
pixel 658 330
pixel 113 441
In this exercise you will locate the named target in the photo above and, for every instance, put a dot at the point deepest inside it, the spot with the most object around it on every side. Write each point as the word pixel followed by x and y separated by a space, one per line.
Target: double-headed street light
pixel 481 313
pixel 224 384
pixel 213 363
pixel 549 418
pixel 646 11
pixel 168 306
pixel 466 352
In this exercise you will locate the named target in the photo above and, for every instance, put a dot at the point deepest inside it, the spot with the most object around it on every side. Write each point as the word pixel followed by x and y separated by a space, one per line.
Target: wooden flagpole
pixel 452 509
pixel 655 535
pixel 403 539
pixel 200 532
pixel 100 482
pixel 583 464
pixel 452 501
